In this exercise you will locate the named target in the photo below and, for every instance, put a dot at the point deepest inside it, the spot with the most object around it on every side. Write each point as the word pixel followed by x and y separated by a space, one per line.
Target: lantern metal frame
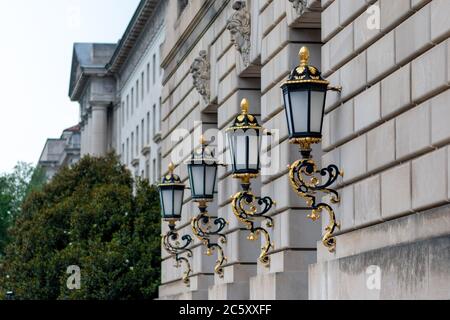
pixel 306 178
pixel 245 203
pixel 172 242
pixel 202 224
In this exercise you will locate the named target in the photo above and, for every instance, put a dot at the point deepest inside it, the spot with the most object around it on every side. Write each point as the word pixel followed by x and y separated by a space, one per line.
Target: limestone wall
pixel 387 131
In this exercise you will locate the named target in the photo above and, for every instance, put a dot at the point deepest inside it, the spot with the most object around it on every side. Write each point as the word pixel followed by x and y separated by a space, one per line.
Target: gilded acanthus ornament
pixel 200 70
pixel 299 6
pixel 239 26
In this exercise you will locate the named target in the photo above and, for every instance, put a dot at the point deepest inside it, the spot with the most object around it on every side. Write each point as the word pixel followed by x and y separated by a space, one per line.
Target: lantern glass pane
pixel 197 180
pixel 167 199
pixel 287 109
pixel 232 147
pixel 317 103
pixel 241 150
pixel 178 201
pixel 299 100
pixel 210 180
pixel 253 150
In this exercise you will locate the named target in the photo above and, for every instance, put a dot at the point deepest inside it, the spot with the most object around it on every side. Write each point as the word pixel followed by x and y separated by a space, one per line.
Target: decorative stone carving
pixel 200 70
pixel 299 6
pixel 239 26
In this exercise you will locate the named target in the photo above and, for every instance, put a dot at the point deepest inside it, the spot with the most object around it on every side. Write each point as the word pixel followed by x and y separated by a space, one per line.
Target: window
pixel 123 153
pixel 128 150
pixel 137 140
pixel 154 170
pixel 142 133
pixel 158 165
pixel 137 94
pixel 158 116
pixel 132 101
pixel 122 116
pixel 147 170
pixel 154 119
pixel 142 86
pixel 154 69
pixel 128 107
pixel 148 77
pixel 132 146
pixel 148 127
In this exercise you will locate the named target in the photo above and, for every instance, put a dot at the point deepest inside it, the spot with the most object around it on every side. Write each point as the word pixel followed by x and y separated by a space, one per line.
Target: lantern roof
pixel 245 120
pixel 203 154
pixel 305 73
pixel 171 178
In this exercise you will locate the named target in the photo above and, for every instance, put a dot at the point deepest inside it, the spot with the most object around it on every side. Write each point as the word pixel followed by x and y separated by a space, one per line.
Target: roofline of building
pixel 141 16
pixel 122 51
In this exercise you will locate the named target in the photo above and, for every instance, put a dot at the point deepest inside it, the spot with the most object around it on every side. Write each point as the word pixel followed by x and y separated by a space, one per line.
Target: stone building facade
pixel 387 130
pixel 118 87
pixel 61 152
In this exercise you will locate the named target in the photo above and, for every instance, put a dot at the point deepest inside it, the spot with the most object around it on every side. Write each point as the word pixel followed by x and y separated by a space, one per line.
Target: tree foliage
pixel 93 216
pixel 14 187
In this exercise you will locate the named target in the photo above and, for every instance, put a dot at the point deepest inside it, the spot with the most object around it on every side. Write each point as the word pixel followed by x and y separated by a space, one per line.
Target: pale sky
pixel 36 40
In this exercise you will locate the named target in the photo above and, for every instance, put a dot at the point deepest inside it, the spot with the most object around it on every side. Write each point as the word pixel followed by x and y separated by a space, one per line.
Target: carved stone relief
pixel 200 70
pixel 239 26
pixel 299 6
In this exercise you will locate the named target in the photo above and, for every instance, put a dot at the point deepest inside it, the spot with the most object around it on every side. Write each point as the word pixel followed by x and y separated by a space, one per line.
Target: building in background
pixel 61 152
pixel 118 87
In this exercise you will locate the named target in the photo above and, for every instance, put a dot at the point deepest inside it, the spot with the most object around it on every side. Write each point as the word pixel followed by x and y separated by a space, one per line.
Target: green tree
pixel 14 187
pixel 93 216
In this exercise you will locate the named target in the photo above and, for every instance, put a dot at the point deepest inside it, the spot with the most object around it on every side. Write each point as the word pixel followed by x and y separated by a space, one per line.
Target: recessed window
pixel 137 140
pixel 132 101
pixel 148 127
pixel 142 86
pixel 128 107
pixel 137 94
pixel 128 150
pixel 132 146
pixel 148 77
pixel 154 119
pixel 142 133
pixel 154 69
pixel 122 114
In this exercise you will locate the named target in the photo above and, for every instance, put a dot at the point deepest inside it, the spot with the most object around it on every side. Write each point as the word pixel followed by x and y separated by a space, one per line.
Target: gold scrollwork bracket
pixel 202 228
pixel 308 180
pixel 245 207
pixel 172 243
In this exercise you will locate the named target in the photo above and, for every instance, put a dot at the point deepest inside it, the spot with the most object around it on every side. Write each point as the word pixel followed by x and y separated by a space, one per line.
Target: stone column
pixel 88 132
pixel 99 130
pixel 82 139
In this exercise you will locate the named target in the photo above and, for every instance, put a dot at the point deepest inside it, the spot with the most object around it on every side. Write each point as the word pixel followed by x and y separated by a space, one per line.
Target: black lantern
pixel 202 169
pixel 171 192
pixel 304 96
pixel 244 138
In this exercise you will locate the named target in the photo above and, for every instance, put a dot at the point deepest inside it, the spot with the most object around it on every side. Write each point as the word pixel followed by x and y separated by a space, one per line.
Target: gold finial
pixel 202 139
pixel 244 106
pixel 303 56
pixel 171 167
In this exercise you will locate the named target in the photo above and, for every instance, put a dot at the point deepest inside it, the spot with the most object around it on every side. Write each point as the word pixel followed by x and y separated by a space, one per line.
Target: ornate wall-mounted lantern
pixel 244 138
pixel 171 192
pixel 202 169
pixel 304 96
